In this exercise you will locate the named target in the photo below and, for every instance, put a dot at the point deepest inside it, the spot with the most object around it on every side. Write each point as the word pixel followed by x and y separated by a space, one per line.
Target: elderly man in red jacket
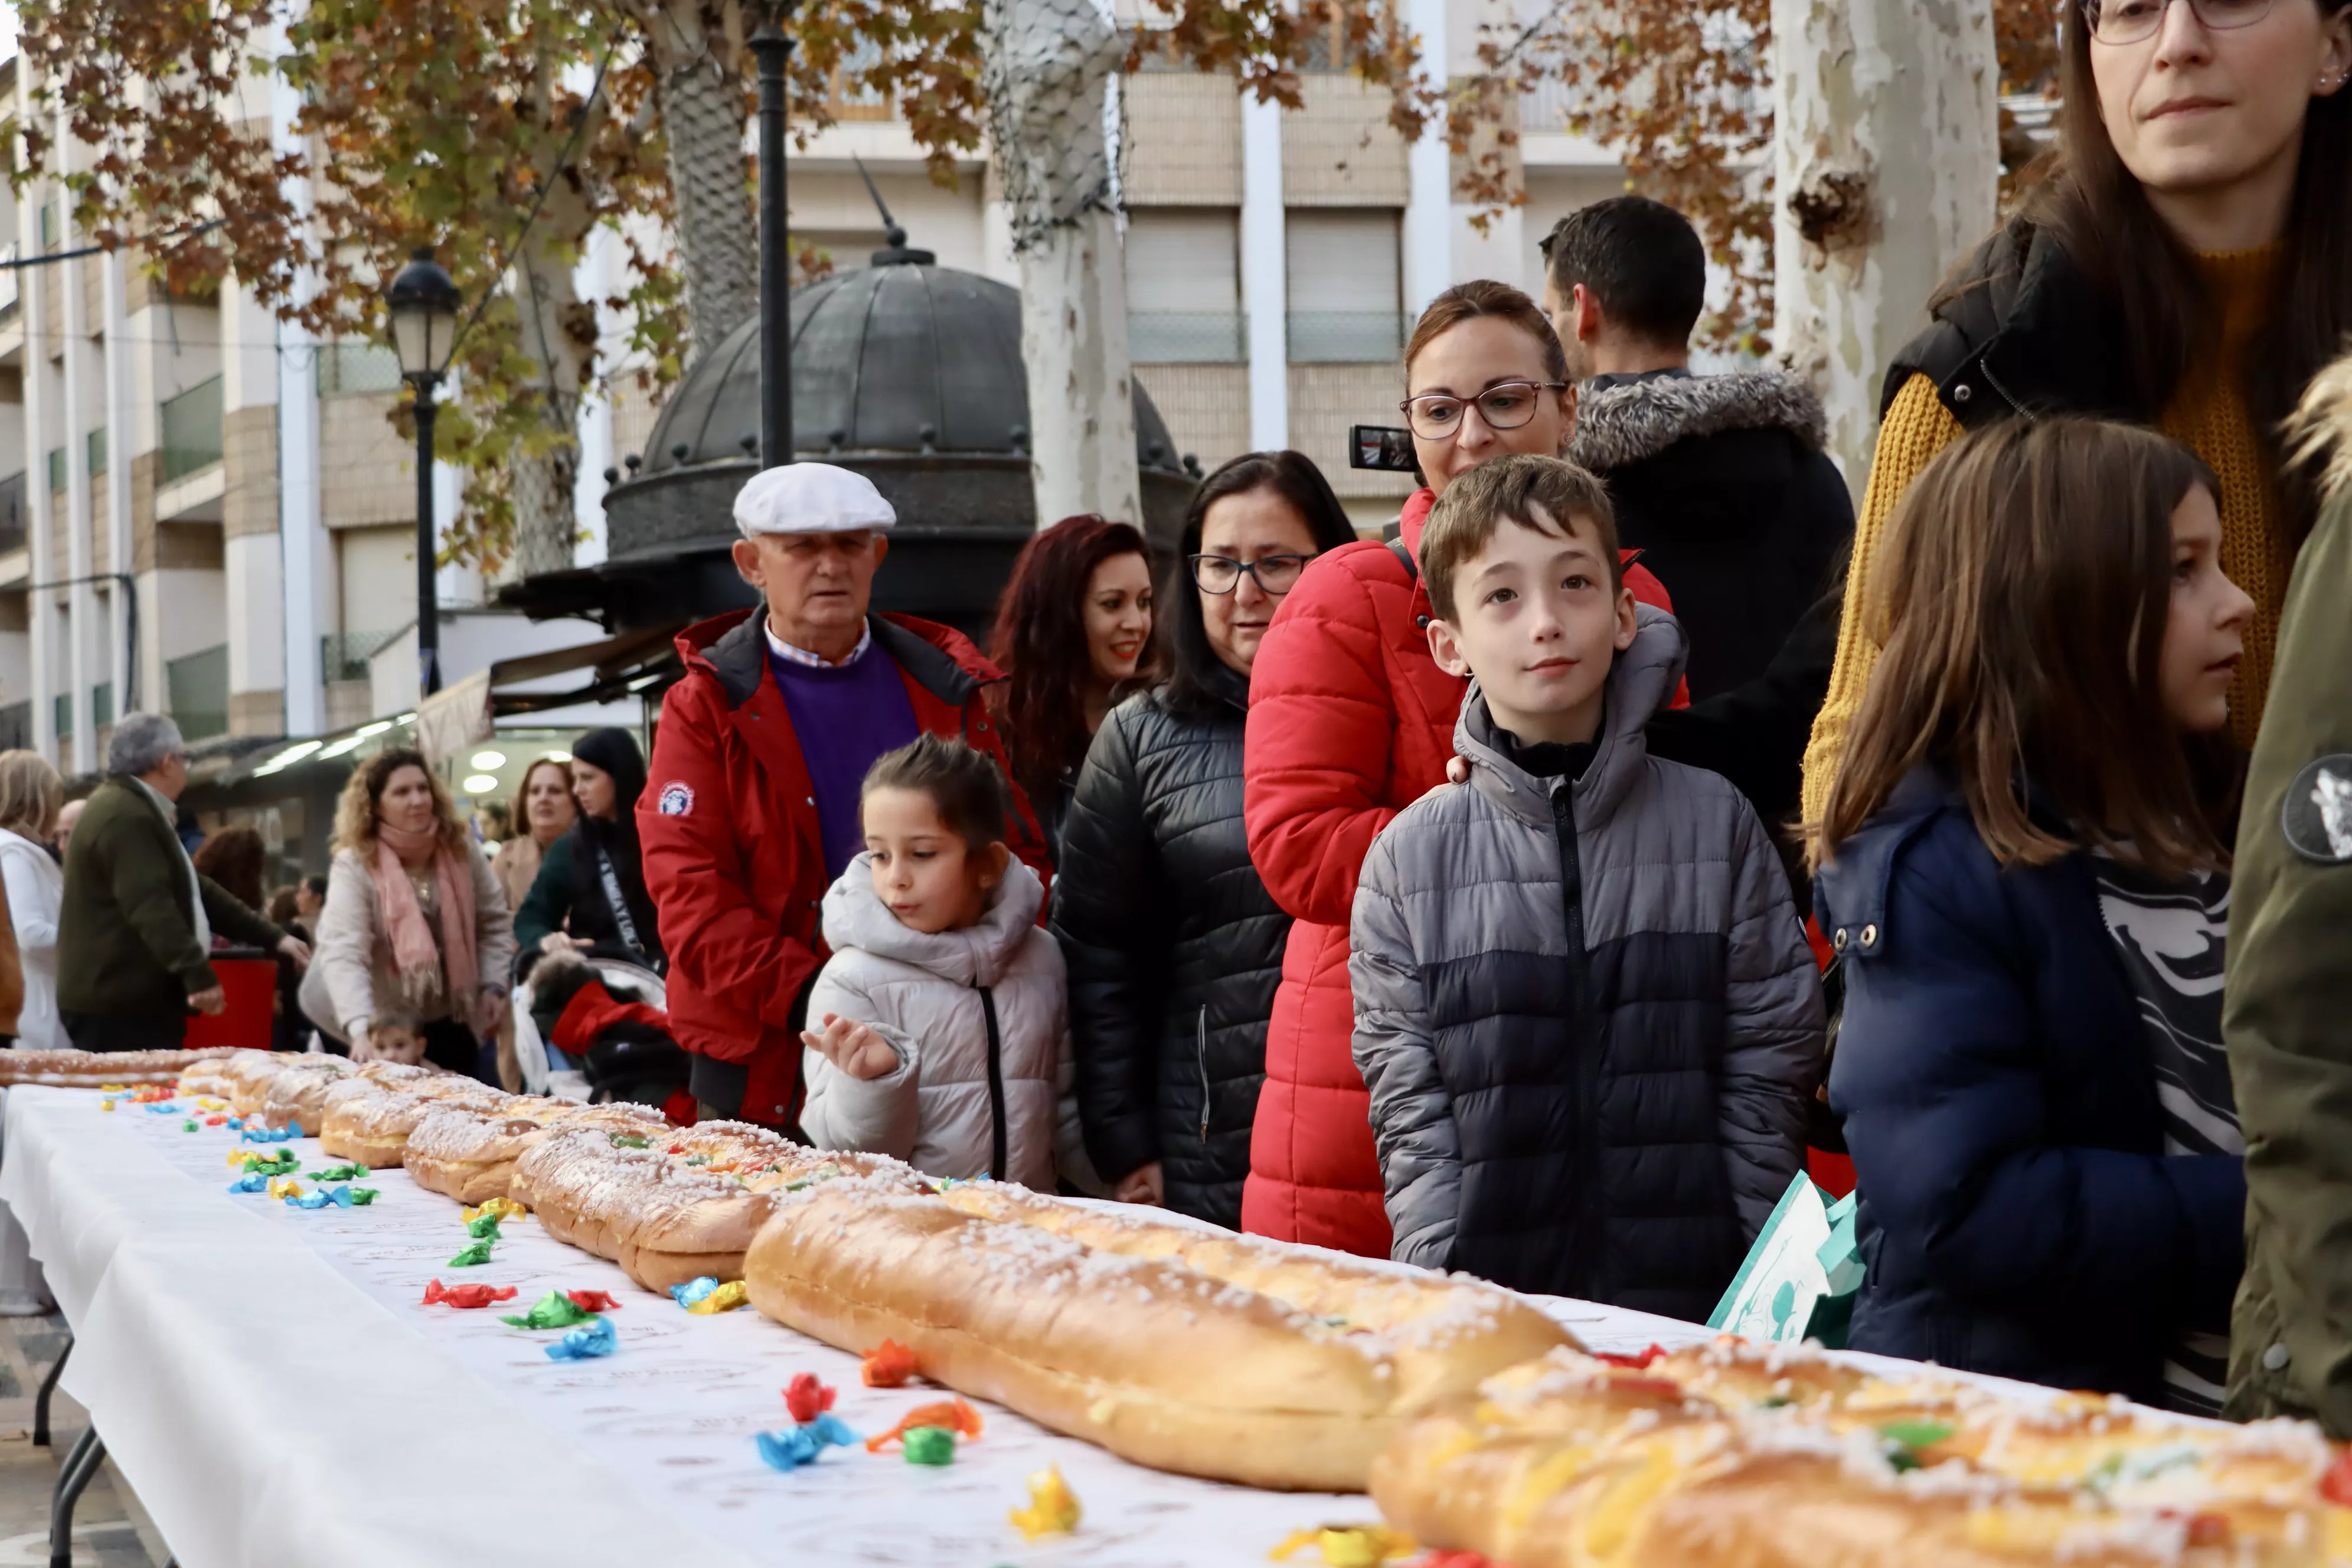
pixel 750 807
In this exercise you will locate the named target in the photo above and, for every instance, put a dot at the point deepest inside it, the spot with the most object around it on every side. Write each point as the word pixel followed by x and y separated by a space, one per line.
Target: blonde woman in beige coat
pixel 416 942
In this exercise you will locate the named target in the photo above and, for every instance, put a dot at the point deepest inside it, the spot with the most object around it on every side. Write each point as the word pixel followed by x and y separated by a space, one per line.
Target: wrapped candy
pixel 483 1228
pixel 789 1450
pixel 505 1208
pixel 552 1311
pixel 250 1184
pixel 726 1299
pixel 930 1445
pixel 948 1415
pixel 475 1253
pixel 285 1187
pixel 693 1291
pixel 337 1197
pixel 582 1344
pixel 1053 1507
pixel 280 1163
pixel 592 1300
pixel 216 1120
pixel 888 1365
pixel 285 1134
pixel 1349 1546
pixel 363 1197
pixel 806 1399
pixel 338 1173
pixel 470 1295
pixel 187 1126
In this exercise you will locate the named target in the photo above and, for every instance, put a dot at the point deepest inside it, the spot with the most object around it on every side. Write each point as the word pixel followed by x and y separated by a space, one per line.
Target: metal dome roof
pixel 902 356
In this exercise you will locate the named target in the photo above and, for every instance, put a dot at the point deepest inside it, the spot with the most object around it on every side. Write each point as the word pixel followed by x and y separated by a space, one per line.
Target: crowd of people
pixel 1536 890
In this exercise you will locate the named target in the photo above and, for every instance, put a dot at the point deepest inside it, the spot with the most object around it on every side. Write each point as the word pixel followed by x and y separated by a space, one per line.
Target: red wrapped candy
pixel 592 1300
pixel 807 1398
pixel 439 1295
pixel 953 1416
pixel 888 1365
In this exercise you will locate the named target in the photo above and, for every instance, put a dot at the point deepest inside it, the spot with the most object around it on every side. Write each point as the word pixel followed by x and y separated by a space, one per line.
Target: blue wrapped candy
pixel 798 1445
pixel 166 1109
pixel 693 1291
pixel 285 1134
pixel 319 1198
pixel 586 1343
pixel 250 1184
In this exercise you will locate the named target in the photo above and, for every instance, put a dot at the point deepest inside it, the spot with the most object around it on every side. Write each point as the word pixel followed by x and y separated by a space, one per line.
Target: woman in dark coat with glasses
pixel 1174 945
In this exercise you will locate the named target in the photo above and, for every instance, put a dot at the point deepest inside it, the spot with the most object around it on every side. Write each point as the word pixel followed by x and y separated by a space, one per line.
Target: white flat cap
pixel 810 497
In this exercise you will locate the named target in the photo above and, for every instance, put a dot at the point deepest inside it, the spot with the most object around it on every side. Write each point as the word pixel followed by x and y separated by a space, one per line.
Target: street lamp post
pixel 774 48
pixel 423 302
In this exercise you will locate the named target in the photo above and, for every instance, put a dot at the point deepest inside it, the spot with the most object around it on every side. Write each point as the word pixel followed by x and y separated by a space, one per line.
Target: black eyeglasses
pixel 1275 574
pixel 1506 405
pixel 2136 21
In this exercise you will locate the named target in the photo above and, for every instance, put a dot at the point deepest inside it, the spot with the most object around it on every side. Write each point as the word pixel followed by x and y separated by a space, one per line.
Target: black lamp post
pixel 423 303
pixel 774 49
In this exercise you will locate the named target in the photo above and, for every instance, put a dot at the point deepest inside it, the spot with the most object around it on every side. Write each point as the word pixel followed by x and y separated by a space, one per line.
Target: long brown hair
pixel 2021 616
pixel 234 857
pixel 355 812
pixel 2101 214
pixel 1040 642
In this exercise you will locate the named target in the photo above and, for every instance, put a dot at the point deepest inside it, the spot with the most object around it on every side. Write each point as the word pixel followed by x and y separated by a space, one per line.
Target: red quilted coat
pixel 732 855
pixel 1350 720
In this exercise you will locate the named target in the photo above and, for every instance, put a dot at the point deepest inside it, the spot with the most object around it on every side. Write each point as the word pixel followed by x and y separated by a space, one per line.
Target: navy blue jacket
pixel 2018 1214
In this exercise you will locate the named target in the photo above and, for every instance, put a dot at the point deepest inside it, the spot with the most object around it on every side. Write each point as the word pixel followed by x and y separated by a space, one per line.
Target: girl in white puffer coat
pixel 941 1024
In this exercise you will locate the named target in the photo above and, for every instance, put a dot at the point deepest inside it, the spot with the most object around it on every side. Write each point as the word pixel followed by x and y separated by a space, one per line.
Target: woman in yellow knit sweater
pixel 2187 265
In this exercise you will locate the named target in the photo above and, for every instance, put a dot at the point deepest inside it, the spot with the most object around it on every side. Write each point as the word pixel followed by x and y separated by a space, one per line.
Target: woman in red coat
pixel 1350 720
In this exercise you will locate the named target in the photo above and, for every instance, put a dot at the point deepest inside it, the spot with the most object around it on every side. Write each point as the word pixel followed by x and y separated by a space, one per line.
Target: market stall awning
pixel 466 713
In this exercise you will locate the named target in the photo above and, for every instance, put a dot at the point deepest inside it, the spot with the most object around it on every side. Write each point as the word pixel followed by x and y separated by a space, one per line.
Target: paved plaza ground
pixel 111 1530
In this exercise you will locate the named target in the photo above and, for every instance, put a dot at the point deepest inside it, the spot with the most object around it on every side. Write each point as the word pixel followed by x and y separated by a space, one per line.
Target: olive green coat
pixel 126 933
pixel 2287 1016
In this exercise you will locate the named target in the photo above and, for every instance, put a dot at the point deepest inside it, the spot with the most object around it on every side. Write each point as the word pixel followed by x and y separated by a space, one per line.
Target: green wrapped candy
pixel 483 1228
pixel 929 1446
pixel 477 1252
pixel 363 1197
pixel 552 1311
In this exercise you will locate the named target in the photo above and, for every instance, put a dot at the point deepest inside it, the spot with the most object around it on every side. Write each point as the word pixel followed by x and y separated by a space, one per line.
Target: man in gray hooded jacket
pixel 1584 1006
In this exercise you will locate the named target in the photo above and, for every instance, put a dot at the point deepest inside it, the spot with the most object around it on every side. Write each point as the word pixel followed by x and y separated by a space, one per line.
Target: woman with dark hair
pixel 1073 629
pixel 2187 265
pixel 234 857
pixel 590 893
pixel 1351 722
pixel 1174 947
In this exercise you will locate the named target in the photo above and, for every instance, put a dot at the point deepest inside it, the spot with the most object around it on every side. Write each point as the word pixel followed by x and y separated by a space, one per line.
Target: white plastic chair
pixel 530 1051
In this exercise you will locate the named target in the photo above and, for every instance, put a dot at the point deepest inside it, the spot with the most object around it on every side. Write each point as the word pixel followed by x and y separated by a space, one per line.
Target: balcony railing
pixel 1346 337
pixel 198 687
pixel 346 368
pixel 15 513
pixel 343 656
pixel 1187 337
pixel 191 430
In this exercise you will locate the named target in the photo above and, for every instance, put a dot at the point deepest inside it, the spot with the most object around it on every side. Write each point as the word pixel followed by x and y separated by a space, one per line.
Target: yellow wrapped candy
pixel 285 1187
pixel 112 1087
pixel 726 1299
pixel 505 1208
pixel 106 1105
pixel 1053 1507
pixel 1349 1546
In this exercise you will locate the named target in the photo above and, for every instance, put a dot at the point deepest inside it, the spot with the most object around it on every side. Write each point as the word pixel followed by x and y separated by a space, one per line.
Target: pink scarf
pixel 413 952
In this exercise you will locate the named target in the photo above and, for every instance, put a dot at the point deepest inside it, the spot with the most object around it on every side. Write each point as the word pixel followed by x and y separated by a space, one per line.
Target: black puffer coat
pixel 1174 950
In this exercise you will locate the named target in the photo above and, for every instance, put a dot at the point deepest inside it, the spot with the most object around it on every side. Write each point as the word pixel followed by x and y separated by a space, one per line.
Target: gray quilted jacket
pixel 1587 1014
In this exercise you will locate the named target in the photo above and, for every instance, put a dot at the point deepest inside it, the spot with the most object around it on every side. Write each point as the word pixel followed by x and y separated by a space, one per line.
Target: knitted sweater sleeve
pixel 1918 427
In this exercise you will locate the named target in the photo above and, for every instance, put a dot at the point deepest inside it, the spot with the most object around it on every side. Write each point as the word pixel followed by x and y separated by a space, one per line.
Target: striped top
pixel 2171 936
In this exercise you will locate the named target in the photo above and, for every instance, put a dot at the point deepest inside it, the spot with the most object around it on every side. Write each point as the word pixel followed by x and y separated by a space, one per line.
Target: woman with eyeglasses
pixel 1350 720
pixel 2187 264
pixel 1174 945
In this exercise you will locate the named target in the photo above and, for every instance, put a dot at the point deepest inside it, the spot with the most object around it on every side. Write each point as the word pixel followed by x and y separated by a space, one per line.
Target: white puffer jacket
pixel 979 1018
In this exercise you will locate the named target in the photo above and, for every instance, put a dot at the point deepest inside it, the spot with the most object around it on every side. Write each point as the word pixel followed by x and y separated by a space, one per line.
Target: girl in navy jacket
pixel 2022 866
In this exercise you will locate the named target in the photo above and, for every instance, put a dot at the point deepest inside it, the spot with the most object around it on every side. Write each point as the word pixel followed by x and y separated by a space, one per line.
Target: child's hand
pixel 1143 1185
pixel 852 1048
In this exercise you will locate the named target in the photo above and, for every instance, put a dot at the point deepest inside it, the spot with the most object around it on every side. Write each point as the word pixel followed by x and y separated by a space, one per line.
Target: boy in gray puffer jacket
pixel 1584 1006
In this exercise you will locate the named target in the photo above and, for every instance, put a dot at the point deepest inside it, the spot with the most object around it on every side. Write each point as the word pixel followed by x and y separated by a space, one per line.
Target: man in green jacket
pixel 135 930
pixel 2287 1016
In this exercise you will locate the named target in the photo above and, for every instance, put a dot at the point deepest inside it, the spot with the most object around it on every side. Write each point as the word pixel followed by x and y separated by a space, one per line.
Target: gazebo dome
pixel 910 373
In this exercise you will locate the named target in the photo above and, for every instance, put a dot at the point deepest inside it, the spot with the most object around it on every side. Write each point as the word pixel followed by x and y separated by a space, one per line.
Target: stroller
pixel 597 1029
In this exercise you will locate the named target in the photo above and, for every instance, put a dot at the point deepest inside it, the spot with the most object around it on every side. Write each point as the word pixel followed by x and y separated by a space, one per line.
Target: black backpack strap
pixel 1412 567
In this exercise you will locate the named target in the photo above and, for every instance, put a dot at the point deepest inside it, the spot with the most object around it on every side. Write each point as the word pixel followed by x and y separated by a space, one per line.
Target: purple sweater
pixel 843 718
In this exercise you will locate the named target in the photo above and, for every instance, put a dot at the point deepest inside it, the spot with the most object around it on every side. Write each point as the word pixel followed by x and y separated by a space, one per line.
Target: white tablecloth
pixel 269 1383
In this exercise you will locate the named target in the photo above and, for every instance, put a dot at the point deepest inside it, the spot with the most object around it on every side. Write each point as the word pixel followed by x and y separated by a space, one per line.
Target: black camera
pixel 1381 446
